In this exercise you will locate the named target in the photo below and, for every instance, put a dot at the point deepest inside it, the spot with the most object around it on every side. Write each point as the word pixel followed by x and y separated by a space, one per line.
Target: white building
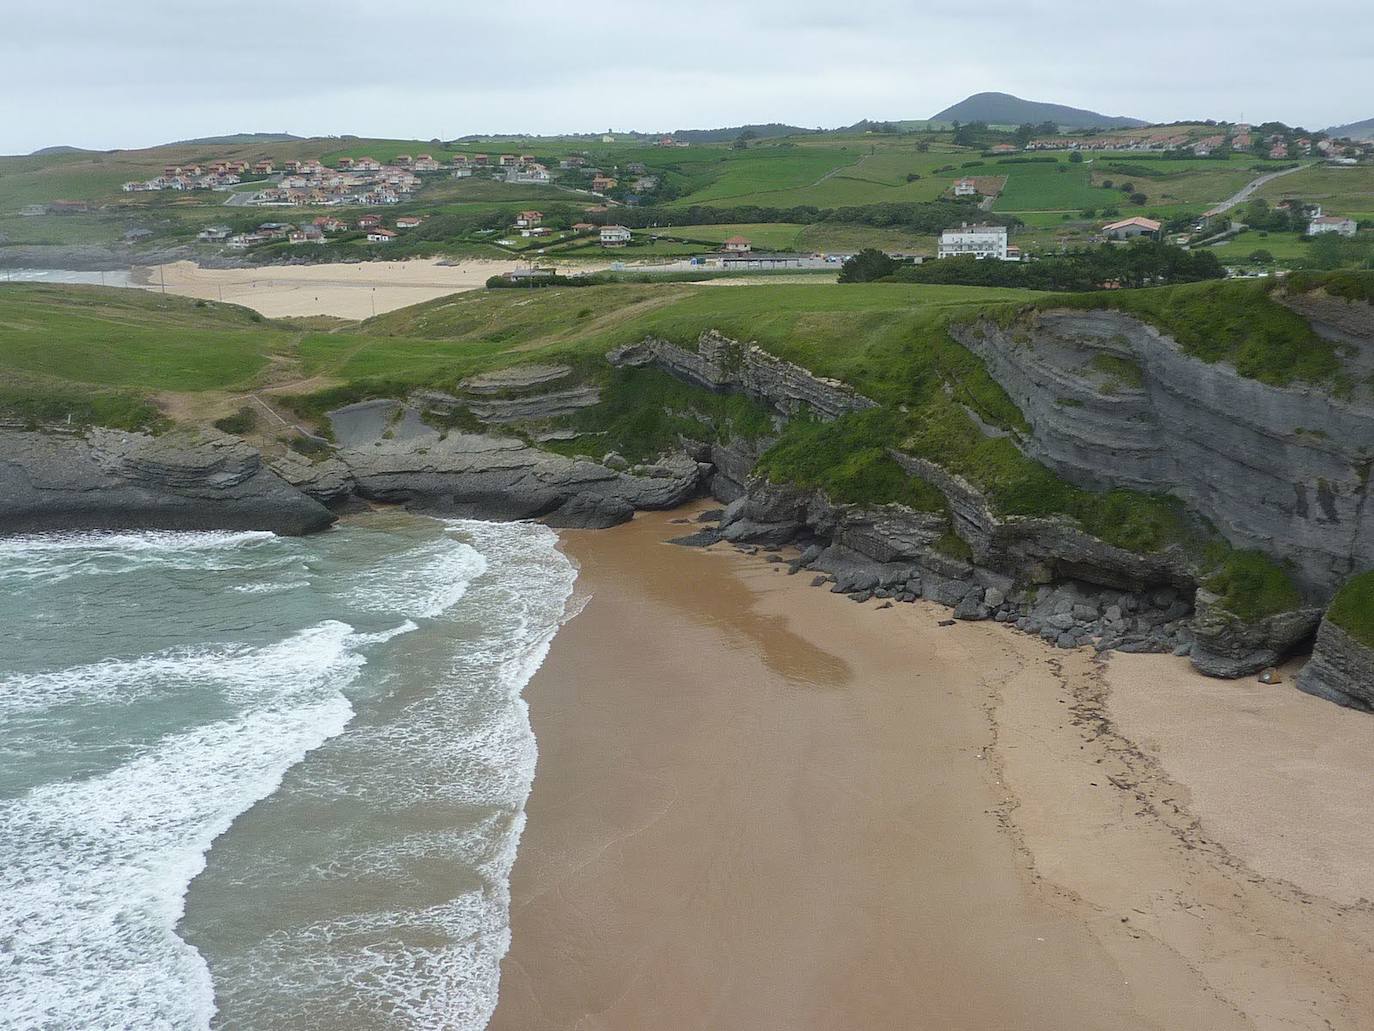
pixel 1331 224
pixel 965 188
pixel 978 240
pixel 614 236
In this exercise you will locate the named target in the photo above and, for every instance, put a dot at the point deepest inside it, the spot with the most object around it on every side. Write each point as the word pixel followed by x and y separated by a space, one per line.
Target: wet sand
pixel 351 291
pixel 760 805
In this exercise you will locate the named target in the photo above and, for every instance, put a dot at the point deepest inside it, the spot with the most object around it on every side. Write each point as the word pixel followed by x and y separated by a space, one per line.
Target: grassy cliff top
pixel 1353 608
pixel 1240 322
pixel 119 356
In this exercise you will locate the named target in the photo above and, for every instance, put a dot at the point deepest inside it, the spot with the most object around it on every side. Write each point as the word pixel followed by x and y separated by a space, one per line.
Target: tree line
pixel 1140 263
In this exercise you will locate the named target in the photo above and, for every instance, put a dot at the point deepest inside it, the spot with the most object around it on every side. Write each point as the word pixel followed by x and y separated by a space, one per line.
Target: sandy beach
pixel 760 805
pixel 350 291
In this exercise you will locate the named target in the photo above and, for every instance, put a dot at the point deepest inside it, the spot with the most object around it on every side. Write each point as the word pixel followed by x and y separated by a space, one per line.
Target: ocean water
pixel 255 782
pixel 110 277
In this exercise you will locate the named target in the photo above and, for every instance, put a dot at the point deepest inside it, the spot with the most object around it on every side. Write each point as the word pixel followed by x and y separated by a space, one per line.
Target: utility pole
pixel 162 277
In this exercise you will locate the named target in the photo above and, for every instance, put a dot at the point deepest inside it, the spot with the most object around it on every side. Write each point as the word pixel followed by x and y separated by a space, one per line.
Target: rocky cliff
pixel 181 481
pixel 392 455
pixel 719 363
pixel 1111 401
pixel 1341 669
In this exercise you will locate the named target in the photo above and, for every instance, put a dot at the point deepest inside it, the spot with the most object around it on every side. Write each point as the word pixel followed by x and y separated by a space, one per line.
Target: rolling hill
pixel 1004 109
pixel 1355 130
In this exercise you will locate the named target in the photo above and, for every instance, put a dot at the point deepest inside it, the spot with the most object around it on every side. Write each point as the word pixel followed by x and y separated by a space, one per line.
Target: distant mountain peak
pixel 1005 109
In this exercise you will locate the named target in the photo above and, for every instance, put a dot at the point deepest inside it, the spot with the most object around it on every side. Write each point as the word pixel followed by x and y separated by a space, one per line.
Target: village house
pixel 1130 228
pixel 408 221
pixel 1002 148
pixel 366 164
pixel 602 183
pixel 536 231
pixel 306 234
pixel 1332 224
pixel 583 227
pixel 462 172
pixel 572 162
pixel 736 245
pixel 528 219
pixel 263 168
pixel 645 184
pixel 965 188
pixel 480 159
pixel 214 234
pixel 291 166
pixel 1278 150
pixel 508 160
pixel 345 163
pixel 425 163
pixel 369 221
pixel 614 236
pixel 636 168
pixel 380 235
pixel 329 224
pixel 403 160
pixel 981 241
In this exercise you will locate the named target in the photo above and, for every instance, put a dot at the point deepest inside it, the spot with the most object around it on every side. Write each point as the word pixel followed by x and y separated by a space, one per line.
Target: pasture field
pixel 1339 189
pixel 132 338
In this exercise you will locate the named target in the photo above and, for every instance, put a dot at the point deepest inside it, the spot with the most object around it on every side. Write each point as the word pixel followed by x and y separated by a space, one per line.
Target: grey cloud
pixel 104 74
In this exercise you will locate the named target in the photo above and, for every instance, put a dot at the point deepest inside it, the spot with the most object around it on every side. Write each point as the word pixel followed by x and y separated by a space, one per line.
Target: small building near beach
pixel 615 236
pixel 380 236
pixel 979 241
pixel 736 245
pixel 1131 228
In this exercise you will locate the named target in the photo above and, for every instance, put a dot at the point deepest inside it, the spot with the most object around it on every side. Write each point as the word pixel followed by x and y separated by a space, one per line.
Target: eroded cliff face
pixel 189 480
pixel 1112 402
pixel 719 363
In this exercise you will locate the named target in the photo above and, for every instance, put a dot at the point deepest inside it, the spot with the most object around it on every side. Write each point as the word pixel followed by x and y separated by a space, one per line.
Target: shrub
pixel 1352 609
pixel 1252 585
pixel 239 423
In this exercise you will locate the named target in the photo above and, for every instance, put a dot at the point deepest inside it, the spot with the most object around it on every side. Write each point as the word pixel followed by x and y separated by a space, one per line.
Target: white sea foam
pixel 93 872
pixel 442 571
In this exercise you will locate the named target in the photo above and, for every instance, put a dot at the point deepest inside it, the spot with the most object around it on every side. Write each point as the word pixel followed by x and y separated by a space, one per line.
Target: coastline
pixel 762 805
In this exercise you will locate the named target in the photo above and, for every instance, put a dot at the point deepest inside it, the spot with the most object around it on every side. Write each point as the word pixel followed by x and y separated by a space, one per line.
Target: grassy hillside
pixel 128 358
pixel 1005 109
pixel 1062 199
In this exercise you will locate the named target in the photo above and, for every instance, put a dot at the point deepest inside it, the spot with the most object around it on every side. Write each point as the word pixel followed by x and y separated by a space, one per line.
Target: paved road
pixel 1249 188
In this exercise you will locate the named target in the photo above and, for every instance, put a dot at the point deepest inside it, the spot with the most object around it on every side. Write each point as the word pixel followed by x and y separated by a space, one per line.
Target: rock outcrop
pixel 497 477
pixel 722 364
pixel 114 480
pixel 1227 646
pixel 1112 401
pixel 1341 669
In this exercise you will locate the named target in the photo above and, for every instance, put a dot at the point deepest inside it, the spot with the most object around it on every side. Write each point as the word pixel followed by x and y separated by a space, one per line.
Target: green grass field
pixel 1340 190
pixel 132 338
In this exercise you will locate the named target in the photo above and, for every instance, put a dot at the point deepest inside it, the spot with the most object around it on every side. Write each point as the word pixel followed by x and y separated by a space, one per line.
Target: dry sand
pixel 760 805
pixel 350 291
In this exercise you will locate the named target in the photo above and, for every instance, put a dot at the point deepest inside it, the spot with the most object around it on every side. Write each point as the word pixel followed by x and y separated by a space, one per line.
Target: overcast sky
pixel 112 74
